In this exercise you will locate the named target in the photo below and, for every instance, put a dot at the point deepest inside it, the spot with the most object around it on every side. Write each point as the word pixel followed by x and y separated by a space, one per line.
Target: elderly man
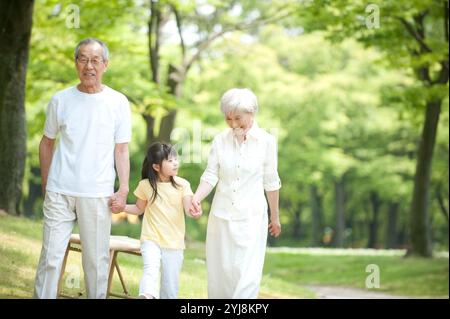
pixel 94 125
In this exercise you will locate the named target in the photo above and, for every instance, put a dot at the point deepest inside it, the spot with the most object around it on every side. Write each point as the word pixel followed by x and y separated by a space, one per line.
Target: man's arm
pixel 122 159
pixel 45 159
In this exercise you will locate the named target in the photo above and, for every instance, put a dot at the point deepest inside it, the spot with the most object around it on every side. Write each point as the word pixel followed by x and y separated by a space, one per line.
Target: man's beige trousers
pixel 94 221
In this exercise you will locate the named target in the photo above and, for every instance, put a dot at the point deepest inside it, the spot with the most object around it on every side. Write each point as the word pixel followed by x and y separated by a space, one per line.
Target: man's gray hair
pixel 105 54
pixel 239 100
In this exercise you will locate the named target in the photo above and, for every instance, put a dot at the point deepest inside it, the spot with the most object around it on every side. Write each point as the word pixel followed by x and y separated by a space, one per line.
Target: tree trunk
pixel 297 223
pixel 419 223
pixel 34 192
pixel 442 205
pixel 339 187
pixel 391 230
pixel 316 213
pixel 174 82
pixel 167 125
pixel 373 224
pixel 154 36
pixel 15 30
pixel 150 121
pixel 350 224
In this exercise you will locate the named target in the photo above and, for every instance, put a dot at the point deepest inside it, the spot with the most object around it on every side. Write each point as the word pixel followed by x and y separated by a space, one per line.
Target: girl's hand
pixel 196 215
pixel 116 205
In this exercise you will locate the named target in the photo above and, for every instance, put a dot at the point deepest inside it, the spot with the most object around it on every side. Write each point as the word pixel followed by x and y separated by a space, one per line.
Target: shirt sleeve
pixel 140 191
pixel 51 119
pixel 211 173
pixel 123 126
pixel 271 180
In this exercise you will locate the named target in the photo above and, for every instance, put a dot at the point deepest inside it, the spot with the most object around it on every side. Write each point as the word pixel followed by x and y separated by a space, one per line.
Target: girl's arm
pixel 136 209
pixel 187 202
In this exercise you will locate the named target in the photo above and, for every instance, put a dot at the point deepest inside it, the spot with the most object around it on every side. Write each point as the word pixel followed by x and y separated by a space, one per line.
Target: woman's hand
pixel 196 208
pixel 275 227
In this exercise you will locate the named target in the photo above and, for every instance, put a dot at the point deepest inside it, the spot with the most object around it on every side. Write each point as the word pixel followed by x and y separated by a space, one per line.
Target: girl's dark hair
pixel 156 153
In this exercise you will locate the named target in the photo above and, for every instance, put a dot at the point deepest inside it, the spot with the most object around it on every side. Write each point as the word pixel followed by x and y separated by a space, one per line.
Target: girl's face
pixel 239 122
pixel 168 167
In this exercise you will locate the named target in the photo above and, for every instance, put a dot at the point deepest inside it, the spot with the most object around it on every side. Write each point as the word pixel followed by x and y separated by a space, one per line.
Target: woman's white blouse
pixel 242 172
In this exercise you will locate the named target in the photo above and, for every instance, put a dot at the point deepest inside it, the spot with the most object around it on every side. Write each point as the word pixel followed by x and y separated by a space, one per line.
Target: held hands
pixel 196 209
pixel 117 202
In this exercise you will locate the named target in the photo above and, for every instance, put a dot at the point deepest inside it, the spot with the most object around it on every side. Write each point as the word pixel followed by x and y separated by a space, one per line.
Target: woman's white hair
pixel 239 100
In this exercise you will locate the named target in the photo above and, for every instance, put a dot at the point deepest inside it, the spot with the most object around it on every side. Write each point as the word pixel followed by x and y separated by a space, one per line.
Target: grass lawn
pixel 286 274
pixel 418 277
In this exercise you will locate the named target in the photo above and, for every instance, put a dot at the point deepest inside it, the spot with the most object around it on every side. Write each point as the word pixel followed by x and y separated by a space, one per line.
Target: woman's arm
pixel 274 225
pixel 272 185
pixel 203 190
pixel 208 180
pixel 136 209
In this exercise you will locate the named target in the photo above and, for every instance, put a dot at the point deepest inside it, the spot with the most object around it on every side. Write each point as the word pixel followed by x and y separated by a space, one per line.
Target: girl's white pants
pixel 160 263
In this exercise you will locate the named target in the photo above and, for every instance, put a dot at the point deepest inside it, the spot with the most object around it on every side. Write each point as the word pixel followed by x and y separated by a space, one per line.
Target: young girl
pixel 161 196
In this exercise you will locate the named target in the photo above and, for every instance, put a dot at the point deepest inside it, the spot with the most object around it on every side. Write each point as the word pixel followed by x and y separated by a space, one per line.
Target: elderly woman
pixel 243 164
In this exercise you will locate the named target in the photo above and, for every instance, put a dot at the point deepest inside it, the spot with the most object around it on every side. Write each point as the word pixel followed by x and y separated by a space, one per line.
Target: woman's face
pixel 239 121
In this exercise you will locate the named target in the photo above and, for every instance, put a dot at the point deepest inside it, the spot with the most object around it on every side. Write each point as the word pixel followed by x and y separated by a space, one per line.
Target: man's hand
pixel 118 201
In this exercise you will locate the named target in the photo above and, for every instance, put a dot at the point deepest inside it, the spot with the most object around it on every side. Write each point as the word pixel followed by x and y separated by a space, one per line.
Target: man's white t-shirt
pixel 89 125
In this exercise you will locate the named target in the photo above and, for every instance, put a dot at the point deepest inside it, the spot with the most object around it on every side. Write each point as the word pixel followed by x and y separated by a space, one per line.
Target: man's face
pixel 90 64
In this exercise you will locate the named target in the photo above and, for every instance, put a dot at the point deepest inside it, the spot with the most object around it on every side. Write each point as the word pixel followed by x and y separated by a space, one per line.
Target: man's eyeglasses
pixel 85 61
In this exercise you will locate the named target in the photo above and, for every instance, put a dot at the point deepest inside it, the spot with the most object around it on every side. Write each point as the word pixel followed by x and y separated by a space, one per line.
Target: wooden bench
pixel 117 244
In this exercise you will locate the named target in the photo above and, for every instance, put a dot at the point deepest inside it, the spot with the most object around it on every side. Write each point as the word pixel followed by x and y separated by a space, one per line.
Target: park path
pixel 330 292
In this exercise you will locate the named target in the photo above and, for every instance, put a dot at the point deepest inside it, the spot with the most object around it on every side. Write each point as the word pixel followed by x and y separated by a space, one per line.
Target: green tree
pixel 414 35
pixel 211 21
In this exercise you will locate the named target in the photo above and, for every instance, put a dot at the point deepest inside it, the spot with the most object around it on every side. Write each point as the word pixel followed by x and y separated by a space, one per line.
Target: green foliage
pixel 337 107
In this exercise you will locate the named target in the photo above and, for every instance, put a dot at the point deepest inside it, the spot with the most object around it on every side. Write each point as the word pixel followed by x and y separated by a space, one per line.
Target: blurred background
pixel 356 93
